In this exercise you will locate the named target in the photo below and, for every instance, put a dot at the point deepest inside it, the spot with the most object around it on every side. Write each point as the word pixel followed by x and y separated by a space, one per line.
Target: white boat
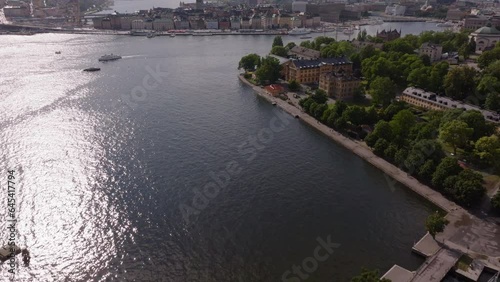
pixel 446 24
pixel 140 32
pixel 110 57
pixel 348 31
pixel 299 31
pixel 172 35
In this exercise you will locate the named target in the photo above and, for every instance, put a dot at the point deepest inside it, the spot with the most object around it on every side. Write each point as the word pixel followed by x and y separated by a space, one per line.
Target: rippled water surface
pixel 105 160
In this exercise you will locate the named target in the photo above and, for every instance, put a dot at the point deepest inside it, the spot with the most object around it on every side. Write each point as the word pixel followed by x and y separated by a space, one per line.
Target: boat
pixel 109 57
pixel 172 35
pixel 151 35
pixel 58 52
pixel 92 69
pixel 446 24
pixel 305 37
pixel 274 103
pixel 356 27
pixel 7 251
pixel 348 31
pixel 299 31
pixel 139 32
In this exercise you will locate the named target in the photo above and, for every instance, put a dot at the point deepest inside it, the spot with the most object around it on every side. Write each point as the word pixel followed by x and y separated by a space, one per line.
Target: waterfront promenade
pixel 466 233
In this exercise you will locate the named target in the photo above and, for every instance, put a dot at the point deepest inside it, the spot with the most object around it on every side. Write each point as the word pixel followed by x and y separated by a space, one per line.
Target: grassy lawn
pixel 464 263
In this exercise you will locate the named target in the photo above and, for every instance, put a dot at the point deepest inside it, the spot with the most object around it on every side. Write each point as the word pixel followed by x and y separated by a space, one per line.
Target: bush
pixel 247 75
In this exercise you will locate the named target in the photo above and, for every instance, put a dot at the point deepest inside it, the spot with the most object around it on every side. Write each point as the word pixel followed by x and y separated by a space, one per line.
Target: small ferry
pixel 92 69
pixel 305 37
pixel 110 57
pixel 274 103
pixel 58 52
pixel 151 35
pixel 139 32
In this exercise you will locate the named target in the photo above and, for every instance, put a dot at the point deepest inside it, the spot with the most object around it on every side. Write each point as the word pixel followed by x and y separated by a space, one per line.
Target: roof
pixel 274 87
pixel 305 51
pixel 281 59
pixel 304 64
pixel 430 45
pixel 449 103
pixel 487 30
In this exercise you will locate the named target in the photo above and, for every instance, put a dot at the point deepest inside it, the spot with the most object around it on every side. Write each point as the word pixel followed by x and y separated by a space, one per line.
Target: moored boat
pixel 110 57
pixel 92 69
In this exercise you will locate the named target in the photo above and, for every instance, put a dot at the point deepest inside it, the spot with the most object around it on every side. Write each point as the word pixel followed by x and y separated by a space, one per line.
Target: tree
pixel 468 188
pixel 435 223
pixel 380 146
pixel 383 130
pixel 456 133
pixel 279 51
pixel 420 152
pixel 495 202
pixel 269 70
pixel 476 121
pixel 394 108
pixel 320 96
pixel 355 114
pixel 402 122
pixel 277 41
pixel 369 276
pixel 426 170
pixel 290 45
pixel 249 62
pixel 293 85
pixel 382 90
pixel 447 167
pixel 492 101
pixel 459 82
pixel 487 149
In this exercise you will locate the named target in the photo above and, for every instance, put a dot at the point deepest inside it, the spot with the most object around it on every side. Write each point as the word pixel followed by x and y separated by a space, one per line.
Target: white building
pixel 485 38
pixel 434 51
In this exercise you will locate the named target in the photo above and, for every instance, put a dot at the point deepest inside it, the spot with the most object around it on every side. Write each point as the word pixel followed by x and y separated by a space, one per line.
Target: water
pixel 100 182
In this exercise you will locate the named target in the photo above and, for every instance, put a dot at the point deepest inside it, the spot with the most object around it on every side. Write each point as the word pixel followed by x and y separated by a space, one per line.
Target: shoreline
pixel 363 152
pixel 449 239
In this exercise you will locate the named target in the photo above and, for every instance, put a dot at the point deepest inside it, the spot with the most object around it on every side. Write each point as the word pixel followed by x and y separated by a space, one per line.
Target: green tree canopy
pixel 277 41
pixel 382 90
pixel 435 223
pixel 495 202
pixel 446 168
pixel 456 133
pixel 487 149
pixel 476 121
pixel 269 70
pixel 459 82
pixel 493 101
pixel 293 85
pixel 249 62
pixel 279 51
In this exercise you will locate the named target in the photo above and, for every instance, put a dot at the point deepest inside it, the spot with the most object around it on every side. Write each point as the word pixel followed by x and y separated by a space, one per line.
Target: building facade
pixel 485 38
pixel 333 75
pixel 389 35
pixel 431 101
pixel 434 51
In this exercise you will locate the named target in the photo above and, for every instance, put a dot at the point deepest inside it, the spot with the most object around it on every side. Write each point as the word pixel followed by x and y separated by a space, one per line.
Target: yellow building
pixel 339 85
pixel 309 71
pixel 431 101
